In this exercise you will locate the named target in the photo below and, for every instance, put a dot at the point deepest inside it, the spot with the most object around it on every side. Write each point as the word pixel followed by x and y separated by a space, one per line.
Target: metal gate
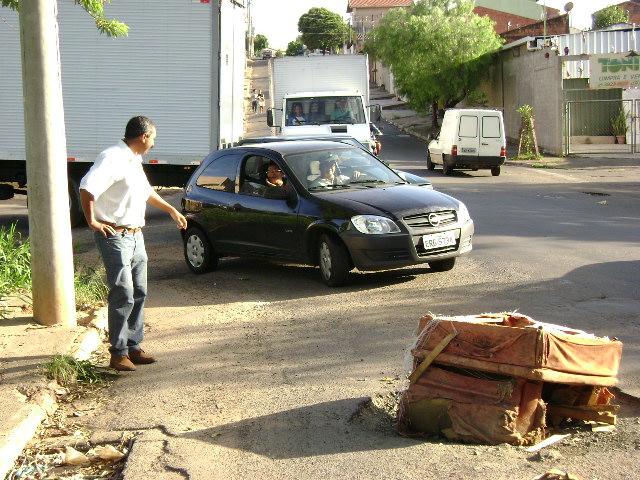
pixel 601 126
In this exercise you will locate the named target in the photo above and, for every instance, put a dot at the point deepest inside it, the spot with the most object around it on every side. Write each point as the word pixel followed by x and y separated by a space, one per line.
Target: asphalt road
pixel 262 366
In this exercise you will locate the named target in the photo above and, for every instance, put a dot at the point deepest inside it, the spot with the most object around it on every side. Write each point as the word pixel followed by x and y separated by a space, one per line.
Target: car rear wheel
pixel 495 171
pixel 198 251
pixel 442 265
pixel 447 169
pixel 430 165
pixel 333 259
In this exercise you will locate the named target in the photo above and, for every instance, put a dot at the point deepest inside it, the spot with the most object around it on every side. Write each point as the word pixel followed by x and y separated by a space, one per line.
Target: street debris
pixel 506 378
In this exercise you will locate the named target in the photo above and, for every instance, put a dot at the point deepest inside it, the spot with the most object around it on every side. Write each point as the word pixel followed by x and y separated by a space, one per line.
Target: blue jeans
pixel 125 260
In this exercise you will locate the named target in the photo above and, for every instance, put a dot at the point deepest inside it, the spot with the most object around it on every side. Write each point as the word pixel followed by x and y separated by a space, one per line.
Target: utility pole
pixel 46 151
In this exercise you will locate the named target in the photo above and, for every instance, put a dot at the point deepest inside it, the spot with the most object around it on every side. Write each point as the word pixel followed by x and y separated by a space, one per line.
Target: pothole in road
pixel 597 194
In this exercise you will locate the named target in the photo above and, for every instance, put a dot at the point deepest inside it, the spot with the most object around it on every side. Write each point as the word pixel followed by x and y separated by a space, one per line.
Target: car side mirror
pixel 270 117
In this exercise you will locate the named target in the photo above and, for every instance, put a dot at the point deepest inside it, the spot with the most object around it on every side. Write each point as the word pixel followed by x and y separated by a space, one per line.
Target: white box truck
pixel 182 65
pixel 322 95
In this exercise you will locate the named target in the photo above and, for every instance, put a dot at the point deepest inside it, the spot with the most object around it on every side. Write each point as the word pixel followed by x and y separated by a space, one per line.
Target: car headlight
pixel 463 213
pixel 373 224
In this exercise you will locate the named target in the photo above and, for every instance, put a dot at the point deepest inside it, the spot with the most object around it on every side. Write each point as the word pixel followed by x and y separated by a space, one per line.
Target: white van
pixel 469 139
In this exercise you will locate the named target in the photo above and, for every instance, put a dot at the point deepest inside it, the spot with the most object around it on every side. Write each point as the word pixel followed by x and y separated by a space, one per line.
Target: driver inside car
pixel 330 174
pixel 275 177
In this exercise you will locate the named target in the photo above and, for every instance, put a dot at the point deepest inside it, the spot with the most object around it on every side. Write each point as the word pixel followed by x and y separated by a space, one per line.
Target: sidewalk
pixel 398 114
pixel 257 76
pixel 26 398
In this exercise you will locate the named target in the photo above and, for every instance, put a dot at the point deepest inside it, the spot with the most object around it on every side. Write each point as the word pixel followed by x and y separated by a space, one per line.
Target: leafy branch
pixel 95 8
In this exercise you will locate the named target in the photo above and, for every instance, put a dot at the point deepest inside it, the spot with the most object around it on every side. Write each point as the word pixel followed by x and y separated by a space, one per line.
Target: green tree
pixel 609 16
pixel 260 42
pixel 95 8
pixel 323 29
pixel 295 47
pixel 438 51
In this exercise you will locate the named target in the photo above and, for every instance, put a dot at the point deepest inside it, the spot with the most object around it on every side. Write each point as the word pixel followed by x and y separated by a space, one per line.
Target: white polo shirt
pixel 119 186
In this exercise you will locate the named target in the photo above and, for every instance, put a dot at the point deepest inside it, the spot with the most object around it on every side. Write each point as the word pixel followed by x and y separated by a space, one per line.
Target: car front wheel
pixel 333 259
pixel 198 251
pixel 442 265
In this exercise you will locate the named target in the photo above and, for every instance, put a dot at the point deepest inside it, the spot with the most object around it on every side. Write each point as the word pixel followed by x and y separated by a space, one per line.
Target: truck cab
pixel 326 113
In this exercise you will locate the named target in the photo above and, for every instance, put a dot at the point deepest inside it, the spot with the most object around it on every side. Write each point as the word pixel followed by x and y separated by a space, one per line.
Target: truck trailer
pixel 182 65
pixel 322 95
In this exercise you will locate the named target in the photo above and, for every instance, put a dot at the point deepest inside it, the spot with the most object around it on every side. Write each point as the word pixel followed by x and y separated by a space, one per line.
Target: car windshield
pixel 340 168
pixel 324 110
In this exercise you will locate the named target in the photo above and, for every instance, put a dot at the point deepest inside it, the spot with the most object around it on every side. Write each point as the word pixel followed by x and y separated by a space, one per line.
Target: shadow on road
pixel 313 430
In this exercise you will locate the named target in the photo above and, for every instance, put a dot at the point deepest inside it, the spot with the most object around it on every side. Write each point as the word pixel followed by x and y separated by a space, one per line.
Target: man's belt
pixel 123 229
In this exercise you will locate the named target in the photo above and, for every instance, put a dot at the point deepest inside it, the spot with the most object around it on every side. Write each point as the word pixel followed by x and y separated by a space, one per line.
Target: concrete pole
pixel 45 141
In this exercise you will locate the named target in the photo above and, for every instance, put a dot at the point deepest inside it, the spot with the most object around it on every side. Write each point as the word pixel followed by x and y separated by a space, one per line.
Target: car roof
pixel 289 147
pixel 290 138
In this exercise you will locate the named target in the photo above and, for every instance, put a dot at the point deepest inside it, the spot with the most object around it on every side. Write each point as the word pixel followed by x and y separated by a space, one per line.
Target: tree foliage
pixel 95 8
pixel 295 47
pixel 437 50
pixel 609 16
pixel 322 29
pixel 260 42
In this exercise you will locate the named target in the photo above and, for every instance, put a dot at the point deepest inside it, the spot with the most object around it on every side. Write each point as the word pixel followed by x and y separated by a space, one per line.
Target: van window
pixel 491 127
pixel 468 126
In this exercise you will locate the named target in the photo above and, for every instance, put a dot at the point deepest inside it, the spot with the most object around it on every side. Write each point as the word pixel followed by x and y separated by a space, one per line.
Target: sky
pixel 278 19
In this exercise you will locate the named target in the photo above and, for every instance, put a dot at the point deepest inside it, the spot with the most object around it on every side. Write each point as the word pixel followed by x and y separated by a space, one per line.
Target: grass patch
pixel 69 372
pixel 528 156
pixel 541 165
pixel 15 261
pixel 90 287
pixel 15 271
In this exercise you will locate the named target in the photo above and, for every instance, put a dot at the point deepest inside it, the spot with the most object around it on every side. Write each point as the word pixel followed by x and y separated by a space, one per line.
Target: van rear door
pixel 491 135
pixel 468 135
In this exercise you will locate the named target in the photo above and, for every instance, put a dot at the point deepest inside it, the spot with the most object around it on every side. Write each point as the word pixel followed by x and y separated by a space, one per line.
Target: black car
pixel 329 204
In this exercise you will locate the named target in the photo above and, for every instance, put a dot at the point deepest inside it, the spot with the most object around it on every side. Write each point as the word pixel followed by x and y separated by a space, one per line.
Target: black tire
pixel 333 260
pixel 442 265
pixel 75 207
pixel 430 165
pixel 495 171
pixel 198 252
pixel 447 169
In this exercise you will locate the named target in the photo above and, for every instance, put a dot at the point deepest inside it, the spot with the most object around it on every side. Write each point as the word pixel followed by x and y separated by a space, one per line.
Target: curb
pixel 407 130
pixel 44 402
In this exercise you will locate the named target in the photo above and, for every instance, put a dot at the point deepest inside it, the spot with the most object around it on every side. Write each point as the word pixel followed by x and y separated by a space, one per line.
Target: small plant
pixel 90 287
pixel 619 124
pixel 528 145
pixel 15 261
pixel 69 372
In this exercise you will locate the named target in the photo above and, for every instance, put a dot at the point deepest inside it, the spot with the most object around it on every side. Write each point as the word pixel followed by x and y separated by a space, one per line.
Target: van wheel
pixel 495 171
pixel 443 265
pixel 447 169
pixel 430 165
pixel 333 259
pixel 198 251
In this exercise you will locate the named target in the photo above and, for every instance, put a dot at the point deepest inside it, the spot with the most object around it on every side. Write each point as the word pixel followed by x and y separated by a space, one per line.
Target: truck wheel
pixel 198 251
pixel 75 207
pixel 443 265
pixel 495 171
pixel 430 164
pixel 447 169
pixel 333 259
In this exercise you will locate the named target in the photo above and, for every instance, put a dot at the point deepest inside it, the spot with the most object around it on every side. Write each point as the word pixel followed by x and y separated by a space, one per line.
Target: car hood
pixel 398 200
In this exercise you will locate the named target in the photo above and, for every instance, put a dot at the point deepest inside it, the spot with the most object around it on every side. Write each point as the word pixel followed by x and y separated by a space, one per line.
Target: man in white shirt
pixel 114 194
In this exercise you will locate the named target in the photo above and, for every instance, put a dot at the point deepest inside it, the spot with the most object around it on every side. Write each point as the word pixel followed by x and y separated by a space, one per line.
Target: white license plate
pixel 438 240
pixel 468 150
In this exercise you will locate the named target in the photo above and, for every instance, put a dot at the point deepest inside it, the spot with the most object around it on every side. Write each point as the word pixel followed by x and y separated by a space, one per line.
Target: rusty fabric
pixel 467 406
pixel 511 339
